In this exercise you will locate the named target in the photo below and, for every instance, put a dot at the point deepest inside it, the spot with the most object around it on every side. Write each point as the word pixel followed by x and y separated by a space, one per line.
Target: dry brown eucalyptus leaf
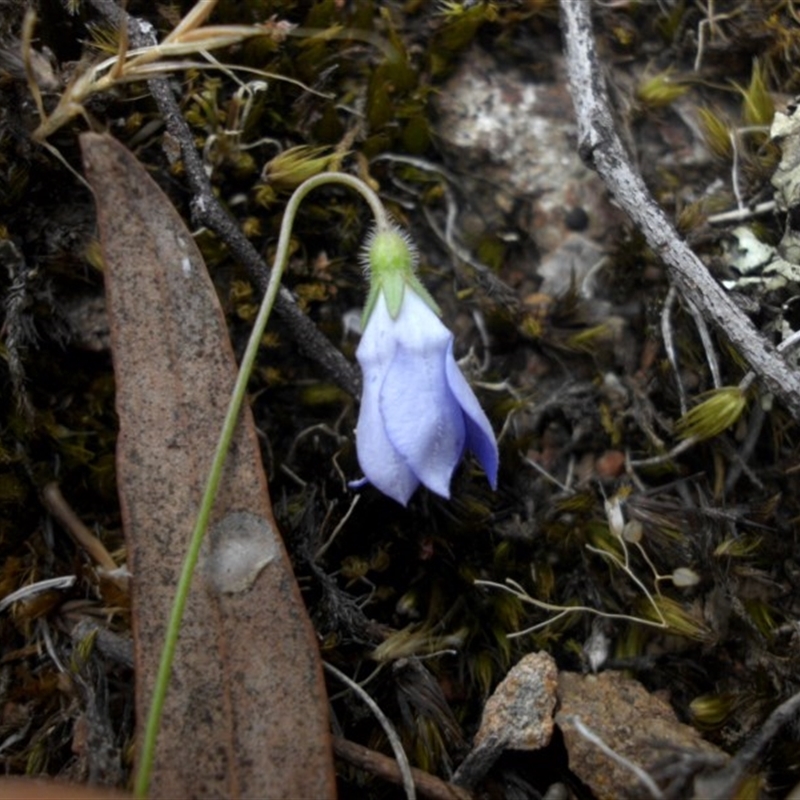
pixel 246 711
pixel 43 789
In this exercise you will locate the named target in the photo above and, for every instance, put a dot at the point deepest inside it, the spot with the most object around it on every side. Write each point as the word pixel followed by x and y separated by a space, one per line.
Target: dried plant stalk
pixel 601 147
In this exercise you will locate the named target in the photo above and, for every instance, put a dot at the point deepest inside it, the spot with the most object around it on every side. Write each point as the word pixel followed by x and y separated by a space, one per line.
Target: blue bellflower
pixel 418 413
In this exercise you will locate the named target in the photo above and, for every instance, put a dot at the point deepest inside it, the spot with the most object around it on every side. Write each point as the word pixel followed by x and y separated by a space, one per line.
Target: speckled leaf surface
pixel 246 711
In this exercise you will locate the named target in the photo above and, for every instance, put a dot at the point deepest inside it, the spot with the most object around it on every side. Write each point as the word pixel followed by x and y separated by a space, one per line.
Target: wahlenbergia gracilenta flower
pixel 418 413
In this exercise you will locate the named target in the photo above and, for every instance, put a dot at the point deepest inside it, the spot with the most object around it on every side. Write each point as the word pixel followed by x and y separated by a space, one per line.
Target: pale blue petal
pixel 421 416
pixel 418 413
pixel 480 436
pixel 382 464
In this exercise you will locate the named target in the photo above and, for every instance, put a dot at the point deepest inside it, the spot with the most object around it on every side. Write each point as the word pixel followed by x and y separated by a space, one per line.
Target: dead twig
pixel 208 211
pixel 384 767
pixel 725 781
pixel 402 765
pixel 641 774
pixel 669 344
pixel 601 147
pixel 62 511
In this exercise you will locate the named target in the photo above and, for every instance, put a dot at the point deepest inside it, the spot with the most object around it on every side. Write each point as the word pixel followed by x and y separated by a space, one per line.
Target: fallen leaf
pixel 43 789
pixel 246 712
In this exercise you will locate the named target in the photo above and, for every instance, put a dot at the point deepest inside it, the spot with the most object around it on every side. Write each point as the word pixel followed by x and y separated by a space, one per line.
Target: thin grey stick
pixel 208 211
pixel 600 147
pixel 388 729
pixel 723 783
pixel 708 345
pixel 669 344
pixel 591 736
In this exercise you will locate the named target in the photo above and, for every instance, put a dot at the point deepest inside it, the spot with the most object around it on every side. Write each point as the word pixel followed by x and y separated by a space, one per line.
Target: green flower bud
pixel 390 258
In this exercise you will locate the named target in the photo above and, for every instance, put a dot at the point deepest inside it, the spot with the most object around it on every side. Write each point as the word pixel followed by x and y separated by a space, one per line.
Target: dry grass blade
pixel 188 38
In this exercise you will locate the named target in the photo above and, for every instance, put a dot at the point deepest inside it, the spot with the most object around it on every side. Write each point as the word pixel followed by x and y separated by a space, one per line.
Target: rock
pixel 518 716
pixel 500 127
pixel 635 724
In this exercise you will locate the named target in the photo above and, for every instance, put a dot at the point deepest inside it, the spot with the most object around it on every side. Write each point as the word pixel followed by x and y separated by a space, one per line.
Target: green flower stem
pixel 147 755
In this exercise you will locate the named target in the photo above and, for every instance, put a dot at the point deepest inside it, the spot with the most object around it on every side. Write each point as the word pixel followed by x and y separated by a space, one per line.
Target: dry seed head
pixel 718 410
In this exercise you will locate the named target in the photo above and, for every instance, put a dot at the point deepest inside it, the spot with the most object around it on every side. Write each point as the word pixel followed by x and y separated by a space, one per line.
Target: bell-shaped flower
pixel 418 413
